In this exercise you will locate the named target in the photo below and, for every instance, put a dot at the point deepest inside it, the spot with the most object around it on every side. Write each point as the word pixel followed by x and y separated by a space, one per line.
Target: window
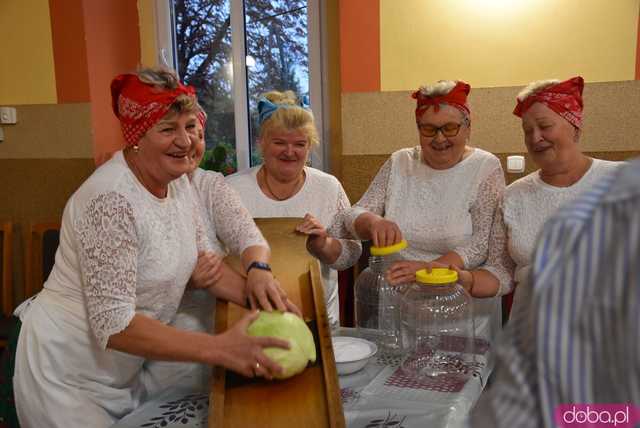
pixel 232 51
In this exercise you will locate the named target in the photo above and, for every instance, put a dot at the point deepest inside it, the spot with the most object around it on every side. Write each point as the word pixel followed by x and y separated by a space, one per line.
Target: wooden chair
pixel 42 244
pixel 6 279
pixel 310 399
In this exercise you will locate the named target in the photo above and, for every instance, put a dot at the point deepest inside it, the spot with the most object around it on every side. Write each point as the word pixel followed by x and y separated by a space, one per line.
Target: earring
pixel 136 149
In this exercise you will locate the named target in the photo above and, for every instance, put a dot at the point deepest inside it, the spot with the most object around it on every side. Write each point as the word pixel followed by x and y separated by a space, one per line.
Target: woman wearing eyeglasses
pixel 440 195
pixel 551 113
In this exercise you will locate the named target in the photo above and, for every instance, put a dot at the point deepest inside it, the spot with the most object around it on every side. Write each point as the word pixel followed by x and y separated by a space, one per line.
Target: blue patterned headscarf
pixel 266 108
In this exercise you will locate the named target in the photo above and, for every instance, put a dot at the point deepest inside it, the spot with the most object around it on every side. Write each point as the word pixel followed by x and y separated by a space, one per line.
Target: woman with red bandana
pixel 551 113
pixel 128 245
pixel 440 195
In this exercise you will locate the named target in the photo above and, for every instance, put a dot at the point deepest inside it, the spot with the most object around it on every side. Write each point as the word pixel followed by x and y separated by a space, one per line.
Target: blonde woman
pixel 283 186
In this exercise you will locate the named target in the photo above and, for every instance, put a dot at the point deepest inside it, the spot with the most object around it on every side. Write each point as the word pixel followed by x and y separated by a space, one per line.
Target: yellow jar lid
pixel 437 276
pixel 385 251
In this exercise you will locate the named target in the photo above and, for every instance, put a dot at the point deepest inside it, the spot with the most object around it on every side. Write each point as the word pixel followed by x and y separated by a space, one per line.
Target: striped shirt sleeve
pixel 577 342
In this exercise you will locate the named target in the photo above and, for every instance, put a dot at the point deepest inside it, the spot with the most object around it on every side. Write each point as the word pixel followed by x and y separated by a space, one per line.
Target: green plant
pixel 220 158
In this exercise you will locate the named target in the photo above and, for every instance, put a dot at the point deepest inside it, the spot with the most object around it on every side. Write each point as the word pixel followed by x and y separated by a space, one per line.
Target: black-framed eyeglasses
pixel 450 129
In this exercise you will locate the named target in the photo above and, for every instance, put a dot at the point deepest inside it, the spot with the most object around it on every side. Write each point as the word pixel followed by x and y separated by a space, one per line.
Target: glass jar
pixel 377 302
pixel 437 327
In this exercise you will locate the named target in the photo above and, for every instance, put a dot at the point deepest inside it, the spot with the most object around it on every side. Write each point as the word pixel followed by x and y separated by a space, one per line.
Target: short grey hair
pixel 441 87
pixel 167 79
pixel 535 87
pixel 158 76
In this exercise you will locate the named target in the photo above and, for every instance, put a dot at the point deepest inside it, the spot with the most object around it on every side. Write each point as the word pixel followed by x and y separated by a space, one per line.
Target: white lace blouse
pixel 528 203
pixel 230 226
pixel 122 252
pixel 124 249
pixel 323 197
pixel 438 211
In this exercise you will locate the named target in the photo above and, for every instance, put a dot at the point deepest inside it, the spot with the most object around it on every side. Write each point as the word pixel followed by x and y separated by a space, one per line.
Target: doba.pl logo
pixel 597 415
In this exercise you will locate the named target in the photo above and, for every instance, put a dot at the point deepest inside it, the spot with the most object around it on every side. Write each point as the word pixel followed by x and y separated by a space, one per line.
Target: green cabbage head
pixel 288 326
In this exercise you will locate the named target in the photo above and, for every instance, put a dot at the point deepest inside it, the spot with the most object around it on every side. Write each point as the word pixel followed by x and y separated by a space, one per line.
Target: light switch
pixel 515 164
pixel 8 115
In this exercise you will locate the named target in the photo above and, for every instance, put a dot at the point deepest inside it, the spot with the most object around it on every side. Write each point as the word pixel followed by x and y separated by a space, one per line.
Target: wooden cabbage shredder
pixel 310 399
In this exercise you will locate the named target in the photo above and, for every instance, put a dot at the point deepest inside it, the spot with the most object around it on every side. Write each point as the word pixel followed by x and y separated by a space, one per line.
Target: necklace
pixel 278 198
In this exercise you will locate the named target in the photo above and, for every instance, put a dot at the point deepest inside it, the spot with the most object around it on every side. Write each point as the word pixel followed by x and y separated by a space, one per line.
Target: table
pixel 378 396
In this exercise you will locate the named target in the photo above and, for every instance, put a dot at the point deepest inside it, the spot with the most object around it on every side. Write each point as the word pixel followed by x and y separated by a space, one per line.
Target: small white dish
pixel 352 353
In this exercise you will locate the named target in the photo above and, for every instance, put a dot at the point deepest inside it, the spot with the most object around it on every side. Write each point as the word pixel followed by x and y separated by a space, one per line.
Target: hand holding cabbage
pixel 288 326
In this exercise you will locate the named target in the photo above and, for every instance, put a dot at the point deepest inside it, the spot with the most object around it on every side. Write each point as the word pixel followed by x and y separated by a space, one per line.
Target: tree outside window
pixel 276 45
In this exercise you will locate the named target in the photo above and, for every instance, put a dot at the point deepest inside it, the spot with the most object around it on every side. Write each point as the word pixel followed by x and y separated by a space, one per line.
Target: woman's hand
pixel 208 270
pixel 405 271
pixel 317 233
pixel 384 232
pixel 465 278
pixel 264 291
pixel 244 354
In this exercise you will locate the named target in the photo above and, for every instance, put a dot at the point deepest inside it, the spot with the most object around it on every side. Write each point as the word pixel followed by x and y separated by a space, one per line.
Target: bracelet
pixel 473 282
pixel 259 265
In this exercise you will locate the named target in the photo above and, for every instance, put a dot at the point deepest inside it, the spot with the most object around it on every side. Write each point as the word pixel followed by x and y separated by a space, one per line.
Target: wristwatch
pixel 259 265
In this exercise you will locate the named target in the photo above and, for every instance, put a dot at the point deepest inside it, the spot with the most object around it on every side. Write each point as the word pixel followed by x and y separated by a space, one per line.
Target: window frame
pixel 316 15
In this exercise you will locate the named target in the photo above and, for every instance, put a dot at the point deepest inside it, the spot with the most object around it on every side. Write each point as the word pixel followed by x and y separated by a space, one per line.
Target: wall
pixel 26 75
pixel 60 88
pixel 495 45
pixel 505 43
pixel 148 41
pixel 113 47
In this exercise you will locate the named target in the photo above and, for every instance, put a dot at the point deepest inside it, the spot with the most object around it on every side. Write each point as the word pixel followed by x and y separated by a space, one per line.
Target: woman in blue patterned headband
pixel 283 186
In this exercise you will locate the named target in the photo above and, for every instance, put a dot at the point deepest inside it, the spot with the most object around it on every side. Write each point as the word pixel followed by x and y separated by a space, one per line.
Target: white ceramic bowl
pixel 352 353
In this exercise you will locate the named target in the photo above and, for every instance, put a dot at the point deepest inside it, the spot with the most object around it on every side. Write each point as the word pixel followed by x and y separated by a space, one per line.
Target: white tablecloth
pixel 373 397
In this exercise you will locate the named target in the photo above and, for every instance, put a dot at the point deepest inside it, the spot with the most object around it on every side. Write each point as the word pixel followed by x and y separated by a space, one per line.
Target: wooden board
pixel 311 399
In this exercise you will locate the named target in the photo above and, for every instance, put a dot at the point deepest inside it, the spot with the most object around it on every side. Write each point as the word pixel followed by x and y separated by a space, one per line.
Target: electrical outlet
pixel 8 115
pixel 515 164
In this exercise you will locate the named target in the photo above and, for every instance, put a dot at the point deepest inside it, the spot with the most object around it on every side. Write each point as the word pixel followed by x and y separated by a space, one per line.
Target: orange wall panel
pixel 113 47
pixel 360 45
pixel 69 51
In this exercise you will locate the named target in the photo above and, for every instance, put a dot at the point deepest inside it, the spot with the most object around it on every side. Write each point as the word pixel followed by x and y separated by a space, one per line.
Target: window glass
pixel 277 53
pixel 203 60
pixel 276 44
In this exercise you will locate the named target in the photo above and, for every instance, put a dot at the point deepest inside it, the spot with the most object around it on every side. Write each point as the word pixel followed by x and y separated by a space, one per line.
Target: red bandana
pixel 202 118
pixel 457 98
pixel 139 106
pixel 564 98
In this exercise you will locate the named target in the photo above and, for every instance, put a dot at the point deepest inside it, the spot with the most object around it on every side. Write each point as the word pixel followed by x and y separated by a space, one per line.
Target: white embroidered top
pixel 528 203
pixel 123 251
pixel 323 197
pixel 230 226
pixel 438 211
